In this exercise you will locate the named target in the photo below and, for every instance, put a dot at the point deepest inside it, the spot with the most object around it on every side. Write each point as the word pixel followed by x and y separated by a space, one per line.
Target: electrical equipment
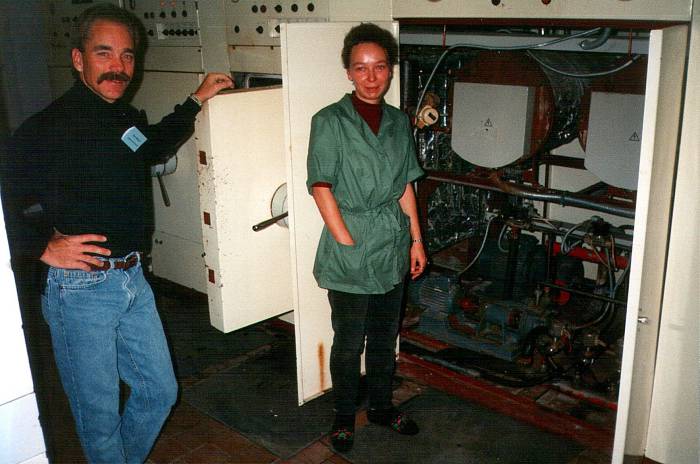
pixel 253 27
pixel 614 138
pixel 258 23
pixel 483 129
pixel 168 23
pixel 255 22
pixel 536 311
pixel 650 10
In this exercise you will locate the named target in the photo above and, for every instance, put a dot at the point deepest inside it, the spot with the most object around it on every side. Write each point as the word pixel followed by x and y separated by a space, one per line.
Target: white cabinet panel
pixel 311 82
pixel 662 105
pixel 673 424
pixel 654 10
pixel 240 136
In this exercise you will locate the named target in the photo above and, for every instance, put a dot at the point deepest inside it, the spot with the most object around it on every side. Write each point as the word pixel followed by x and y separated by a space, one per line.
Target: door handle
pixel 268 222
pixel 643 320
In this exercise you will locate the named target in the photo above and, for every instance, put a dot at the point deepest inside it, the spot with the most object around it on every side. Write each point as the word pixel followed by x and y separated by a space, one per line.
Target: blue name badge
pixel 133 138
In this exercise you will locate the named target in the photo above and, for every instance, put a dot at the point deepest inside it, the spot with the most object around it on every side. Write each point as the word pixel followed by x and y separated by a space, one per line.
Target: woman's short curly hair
pixel 370 33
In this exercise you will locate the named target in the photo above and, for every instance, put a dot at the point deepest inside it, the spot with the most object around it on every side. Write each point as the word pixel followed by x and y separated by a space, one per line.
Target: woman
pixel 361 164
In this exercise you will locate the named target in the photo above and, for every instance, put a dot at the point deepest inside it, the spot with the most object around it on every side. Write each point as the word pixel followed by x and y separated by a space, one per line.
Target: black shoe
pixel 394 419
pixel 343 433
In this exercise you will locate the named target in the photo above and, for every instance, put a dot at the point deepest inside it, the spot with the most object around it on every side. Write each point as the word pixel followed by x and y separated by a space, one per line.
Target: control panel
pixel 168 22
pixel 257 22
pixel 652 10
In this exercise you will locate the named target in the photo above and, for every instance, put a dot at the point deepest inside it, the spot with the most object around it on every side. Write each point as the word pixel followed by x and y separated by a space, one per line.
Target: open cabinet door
pixel 240 166
pixel 313 78
pixel 662 109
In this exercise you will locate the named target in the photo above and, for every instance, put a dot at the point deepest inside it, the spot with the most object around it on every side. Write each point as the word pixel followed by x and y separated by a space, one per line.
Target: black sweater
pixel 70 159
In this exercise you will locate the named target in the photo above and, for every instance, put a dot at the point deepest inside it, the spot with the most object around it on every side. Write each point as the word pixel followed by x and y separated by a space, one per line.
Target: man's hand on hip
pixel 69 251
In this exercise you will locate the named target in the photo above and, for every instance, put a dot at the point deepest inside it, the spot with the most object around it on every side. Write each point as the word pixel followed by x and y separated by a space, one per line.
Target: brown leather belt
pixel 123 264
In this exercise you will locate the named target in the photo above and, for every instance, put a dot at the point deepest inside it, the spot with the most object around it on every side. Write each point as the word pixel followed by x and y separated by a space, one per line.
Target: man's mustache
pixel 113 76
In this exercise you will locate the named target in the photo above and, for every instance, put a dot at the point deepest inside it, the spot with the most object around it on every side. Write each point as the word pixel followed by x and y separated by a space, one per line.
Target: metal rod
pixel 581 292
pixel 267 223
pixel 163 191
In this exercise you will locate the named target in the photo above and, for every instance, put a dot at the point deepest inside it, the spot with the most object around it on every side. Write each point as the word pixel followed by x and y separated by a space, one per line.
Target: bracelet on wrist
pixel 195 99
pixel 417 240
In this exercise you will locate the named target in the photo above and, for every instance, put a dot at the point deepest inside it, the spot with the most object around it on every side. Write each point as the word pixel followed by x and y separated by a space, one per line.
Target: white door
pixel 313 78
pixel 240 166
pixel 666 68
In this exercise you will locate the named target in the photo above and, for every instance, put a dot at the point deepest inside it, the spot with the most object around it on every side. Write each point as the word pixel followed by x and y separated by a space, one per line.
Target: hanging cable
pixel 481 248
pixel 584 75
pixel 500 238
pixel 532 46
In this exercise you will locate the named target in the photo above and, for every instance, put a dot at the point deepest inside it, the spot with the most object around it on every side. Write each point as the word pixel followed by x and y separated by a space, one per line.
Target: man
pixel 75 185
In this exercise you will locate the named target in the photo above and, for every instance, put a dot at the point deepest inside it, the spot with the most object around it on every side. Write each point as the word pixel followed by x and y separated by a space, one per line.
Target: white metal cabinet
pixel 314 80
pixel 654 10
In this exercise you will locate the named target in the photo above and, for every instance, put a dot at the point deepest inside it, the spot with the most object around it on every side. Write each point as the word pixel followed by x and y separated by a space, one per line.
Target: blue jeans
pixel 355 317
pixel 105 327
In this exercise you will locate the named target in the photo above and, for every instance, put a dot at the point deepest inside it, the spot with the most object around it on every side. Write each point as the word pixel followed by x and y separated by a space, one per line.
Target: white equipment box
pixel 491 124
pixel 615 138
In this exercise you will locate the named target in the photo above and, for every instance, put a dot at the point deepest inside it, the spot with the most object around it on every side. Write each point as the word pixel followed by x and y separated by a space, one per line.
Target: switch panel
pixel 255 22
pixel 167 22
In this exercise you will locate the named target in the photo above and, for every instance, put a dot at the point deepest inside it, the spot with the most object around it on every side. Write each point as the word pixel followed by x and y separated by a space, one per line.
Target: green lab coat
pixel 368 174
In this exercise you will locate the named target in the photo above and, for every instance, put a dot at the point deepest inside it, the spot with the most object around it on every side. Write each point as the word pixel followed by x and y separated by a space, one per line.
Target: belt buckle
pixel 104 266
pixel 131 260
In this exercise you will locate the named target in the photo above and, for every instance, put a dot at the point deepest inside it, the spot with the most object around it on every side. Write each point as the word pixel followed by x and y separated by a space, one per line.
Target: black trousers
pixel 354 317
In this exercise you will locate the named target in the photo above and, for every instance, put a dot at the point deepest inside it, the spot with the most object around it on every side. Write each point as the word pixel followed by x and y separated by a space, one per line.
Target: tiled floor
pixel 191 437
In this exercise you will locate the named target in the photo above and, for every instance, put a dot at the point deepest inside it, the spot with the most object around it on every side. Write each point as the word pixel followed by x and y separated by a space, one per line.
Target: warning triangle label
pixel 488 123
pixel 634 137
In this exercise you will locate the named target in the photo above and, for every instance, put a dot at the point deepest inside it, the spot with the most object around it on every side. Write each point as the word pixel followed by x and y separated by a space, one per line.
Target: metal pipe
pixel 583 293
pixel 555 196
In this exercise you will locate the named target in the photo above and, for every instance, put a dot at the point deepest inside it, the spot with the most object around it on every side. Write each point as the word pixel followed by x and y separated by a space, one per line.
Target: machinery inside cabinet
pixel 531 150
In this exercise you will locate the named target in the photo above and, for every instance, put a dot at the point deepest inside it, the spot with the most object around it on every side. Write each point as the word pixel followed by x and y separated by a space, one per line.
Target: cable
pixel 488 47
pixel 546 221
pixel 483 243
pixel 565 249
pixel 611 274
pixel 585 75
pixel 590 44
pixel 500 238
